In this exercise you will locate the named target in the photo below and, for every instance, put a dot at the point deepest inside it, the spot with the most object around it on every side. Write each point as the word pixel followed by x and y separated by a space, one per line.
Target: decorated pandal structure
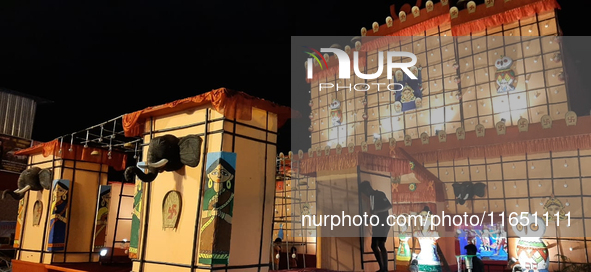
pixel 493 124
pixel 476 137
pixel 176 187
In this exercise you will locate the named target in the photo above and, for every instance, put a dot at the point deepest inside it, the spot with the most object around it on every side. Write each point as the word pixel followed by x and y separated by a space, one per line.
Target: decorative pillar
pixel 218 205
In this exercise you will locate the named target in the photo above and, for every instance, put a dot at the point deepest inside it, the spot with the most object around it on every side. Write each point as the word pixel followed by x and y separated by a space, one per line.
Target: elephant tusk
pixel 24 189
pixel 466 197
pixel 157 164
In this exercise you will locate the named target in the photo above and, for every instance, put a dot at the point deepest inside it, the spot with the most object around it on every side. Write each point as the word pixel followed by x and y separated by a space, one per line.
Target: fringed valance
pixel 537 139
pixel 396 167
pixel 567 143
pixel 367 161
pixel 502 12
pixel 79 153
pixel 503 15
pixel 405 32
pixel 230 103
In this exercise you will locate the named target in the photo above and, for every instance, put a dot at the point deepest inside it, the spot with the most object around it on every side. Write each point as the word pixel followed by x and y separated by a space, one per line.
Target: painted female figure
pixel 218 205
pixel 59 216
pixel 102 216
pixel 135 220
pixel 20 221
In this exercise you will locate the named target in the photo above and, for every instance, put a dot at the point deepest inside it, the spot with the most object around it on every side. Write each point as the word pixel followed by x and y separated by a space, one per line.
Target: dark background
pixel 100 59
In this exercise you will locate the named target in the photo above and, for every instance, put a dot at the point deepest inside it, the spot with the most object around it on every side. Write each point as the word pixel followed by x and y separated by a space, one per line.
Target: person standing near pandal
pixel 380 206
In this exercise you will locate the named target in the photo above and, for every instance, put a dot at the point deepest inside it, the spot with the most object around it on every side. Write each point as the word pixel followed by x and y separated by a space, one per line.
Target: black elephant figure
pixel 34 179
pixel 467 190
pixel 167 153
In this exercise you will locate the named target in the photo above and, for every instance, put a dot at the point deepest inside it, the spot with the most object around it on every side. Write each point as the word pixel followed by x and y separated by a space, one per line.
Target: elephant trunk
pixel 13 194
pixel 134 170
pixel 159 164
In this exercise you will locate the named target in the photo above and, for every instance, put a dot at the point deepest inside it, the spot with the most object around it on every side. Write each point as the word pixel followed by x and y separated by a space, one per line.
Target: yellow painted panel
pixel 194 116
pixel 248 213
pixel 32 237
pixel 39 158
pixel 82 213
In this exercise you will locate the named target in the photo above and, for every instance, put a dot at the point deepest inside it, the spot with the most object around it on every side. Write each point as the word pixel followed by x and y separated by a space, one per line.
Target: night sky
pixel 100 59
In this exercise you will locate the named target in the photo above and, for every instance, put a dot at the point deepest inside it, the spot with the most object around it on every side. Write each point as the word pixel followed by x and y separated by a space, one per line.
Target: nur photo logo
pixel 345 63
pixel 316 58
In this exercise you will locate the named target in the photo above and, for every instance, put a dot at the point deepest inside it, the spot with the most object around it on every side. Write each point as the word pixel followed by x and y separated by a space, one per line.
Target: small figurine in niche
pixel 293 257
pixel 505 76
pixel 277 252
pixel 336 114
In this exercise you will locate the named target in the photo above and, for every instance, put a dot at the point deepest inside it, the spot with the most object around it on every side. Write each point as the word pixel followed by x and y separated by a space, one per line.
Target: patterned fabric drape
pixel 228 102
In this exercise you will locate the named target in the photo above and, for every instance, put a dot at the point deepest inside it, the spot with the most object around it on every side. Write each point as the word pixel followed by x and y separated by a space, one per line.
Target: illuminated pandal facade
pixel 93 218
pixel 495 110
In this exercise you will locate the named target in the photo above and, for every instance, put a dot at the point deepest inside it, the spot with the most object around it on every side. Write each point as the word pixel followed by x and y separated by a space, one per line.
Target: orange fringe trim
pixel 504 17
pixel 566 143
pixel 232 104
pixel 409 31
